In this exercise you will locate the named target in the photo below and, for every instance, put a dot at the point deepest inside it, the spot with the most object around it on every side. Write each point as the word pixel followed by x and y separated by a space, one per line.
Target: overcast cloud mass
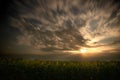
pixel 53 28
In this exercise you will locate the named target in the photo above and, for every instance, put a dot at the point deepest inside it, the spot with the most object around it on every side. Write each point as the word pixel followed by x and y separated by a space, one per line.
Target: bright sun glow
pixel 83 50
pixel 90 51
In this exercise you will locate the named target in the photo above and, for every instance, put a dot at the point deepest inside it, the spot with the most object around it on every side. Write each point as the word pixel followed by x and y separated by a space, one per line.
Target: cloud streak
pixel 62 19
pixel 49 26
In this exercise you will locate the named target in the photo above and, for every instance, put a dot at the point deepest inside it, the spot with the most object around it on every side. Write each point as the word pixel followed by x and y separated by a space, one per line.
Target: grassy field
pixel 18 69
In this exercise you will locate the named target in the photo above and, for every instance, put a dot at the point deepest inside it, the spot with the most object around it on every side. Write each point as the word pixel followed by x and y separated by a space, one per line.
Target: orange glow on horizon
pixel 90 51
pixel 83 50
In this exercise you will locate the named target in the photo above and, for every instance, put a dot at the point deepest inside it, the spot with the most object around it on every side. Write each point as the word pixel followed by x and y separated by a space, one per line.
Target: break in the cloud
pixel 49 25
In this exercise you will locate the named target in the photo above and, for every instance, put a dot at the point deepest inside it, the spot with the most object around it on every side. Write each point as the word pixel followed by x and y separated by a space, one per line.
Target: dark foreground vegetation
pixel 18 69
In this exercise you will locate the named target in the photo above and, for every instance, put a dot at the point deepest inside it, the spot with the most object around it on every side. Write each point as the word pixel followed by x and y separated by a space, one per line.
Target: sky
pixel 72 30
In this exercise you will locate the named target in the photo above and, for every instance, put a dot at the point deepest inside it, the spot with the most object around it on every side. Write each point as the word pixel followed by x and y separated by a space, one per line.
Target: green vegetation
pixel 18 69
